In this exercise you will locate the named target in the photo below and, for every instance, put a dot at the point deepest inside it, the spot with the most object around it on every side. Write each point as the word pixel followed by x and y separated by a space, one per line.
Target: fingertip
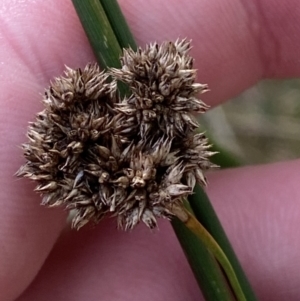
pixel 27 234
pixel 115 265
pixel 235 43
pixel 260 210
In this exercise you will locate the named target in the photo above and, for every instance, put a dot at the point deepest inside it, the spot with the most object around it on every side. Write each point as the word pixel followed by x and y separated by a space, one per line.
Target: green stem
pixel 207 272
pixel 99 32
pixel 206 238
pixel 206 215
pixel 118 24
pixel 223 158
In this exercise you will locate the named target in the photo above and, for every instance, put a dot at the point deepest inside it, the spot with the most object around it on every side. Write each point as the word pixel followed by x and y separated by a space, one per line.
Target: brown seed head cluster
pixel 162 81
pixel 132 158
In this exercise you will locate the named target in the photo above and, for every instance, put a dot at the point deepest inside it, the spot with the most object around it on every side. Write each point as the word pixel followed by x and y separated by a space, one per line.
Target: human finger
pixel 259 208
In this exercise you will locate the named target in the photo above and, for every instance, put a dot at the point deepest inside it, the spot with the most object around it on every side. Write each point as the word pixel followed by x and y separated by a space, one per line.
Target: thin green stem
pixel 99 32
pixel 206 238
pixel 207 271
pixel 118 24
pixel 223 158
pixel 206 215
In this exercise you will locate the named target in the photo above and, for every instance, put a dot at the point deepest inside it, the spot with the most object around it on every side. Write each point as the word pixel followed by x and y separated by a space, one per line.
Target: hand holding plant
pixel 28 232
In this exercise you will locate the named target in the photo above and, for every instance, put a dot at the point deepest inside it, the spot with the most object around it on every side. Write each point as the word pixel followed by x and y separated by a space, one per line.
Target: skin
pixel 235 44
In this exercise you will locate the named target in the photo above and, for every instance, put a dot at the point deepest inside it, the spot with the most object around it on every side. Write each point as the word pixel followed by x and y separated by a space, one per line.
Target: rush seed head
pixel 162 81
pixel 132 158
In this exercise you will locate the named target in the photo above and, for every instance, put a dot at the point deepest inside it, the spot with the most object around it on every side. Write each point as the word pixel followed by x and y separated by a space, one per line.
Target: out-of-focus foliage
pixel 261 125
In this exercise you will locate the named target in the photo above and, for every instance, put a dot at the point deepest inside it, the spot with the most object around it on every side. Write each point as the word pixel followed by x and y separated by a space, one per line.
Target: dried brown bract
pixel 134 158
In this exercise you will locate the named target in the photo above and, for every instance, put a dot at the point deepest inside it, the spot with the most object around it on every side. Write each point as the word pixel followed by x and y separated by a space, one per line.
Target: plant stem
pixel 206 215
pixel 118 24
pixel 207 272
pixel 193 224
pixel 99 32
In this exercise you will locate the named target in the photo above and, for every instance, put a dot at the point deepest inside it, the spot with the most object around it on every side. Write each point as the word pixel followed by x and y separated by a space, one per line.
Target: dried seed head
pixel 66 137
pixel 131 158
pixel 195 154
pixel 162 81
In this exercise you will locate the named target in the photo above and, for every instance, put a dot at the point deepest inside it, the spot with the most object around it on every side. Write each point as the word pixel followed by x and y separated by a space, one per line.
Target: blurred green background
pixel 261 125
